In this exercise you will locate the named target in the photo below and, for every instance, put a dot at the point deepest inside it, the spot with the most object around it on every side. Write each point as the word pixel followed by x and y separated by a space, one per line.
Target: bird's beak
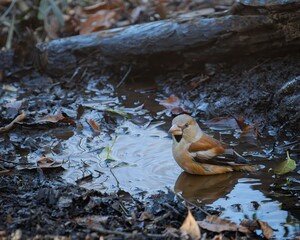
pixel 175 130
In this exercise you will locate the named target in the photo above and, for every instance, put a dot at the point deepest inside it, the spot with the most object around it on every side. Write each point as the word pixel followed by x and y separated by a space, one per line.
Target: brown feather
pixel 207 143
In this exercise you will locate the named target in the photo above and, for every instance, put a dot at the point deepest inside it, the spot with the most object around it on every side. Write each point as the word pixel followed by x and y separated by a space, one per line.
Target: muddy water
pixel 135 155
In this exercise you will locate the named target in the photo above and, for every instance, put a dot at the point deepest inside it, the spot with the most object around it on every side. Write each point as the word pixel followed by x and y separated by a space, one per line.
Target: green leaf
pixel 117 112
pixel 285 166
pixel 106 151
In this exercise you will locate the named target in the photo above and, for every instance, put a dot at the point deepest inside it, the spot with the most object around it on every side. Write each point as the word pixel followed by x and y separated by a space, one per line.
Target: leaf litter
pixel 83 201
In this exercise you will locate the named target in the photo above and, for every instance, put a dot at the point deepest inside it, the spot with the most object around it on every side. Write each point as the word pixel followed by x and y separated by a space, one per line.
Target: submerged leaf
pixel 117 112
pixel 106 153
pixel 266 229
pixel 222 123
pixel 285 166
pixel 174 104
pixel 93 124
pixel 190 227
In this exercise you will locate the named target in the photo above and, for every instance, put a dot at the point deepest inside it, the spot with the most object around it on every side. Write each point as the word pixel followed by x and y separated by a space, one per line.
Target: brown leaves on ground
pixel 174 104
pixel 247 132
pixel 46 163
pixel 190 227
pixel 215 224
pixel 93 125
pixel 253 225
pixel 57 118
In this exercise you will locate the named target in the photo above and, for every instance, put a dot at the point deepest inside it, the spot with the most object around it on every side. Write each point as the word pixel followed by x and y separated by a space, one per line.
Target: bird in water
pixel 198 153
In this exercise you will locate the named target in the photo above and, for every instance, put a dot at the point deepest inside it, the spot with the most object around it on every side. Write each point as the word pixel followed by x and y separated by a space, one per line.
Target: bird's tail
pixel 248 168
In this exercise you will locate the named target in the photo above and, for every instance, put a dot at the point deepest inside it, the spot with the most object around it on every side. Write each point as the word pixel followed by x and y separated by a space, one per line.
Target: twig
pixel 10 32
pixel 158 219
pixel 169 206
pixel 8 10
pixel 125 234
pixel 8 127
pixel 124 78
pixel 194 205
pixel 2 160
pixel 258 65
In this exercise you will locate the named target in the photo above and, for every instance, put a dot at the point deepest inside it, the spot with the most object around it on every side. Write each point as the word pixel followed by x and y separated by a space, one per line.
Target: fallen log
pixel 244 30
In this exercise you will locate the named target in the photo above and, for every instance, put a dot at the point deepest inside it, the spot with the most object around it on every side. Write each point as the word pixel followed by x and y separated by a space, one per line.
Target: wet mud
pixel 92 159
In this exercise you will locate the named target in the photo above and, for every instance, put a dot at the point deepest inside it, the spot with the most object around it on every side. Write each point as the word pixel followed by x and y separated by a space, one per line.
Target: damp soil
pixel 111 171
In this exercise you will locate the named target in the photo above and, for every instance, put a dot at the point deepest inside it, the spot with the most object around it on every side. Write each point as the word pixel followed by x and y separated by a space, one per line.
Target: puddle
pixel 135 155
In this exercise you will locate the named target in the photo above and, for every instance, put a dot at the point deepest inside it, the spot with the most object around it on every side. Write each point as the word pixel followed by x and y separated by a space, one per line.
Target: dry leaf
pixel 190 227
pixel 266 229
pixel 100 21
pixel 219 237
pixel 56 118
pixel 93 125
pixel 252 225
pixel 145 216
pixel 107 5
pixel 174 104
pixel 249 134
pixel 52 118
pixel 216 224
pixel 46 163
pixel 221 123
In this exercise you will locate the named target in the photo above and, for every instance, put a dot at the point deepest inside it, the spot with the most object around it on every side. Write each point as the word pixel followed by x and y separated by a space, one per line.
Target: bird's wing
pixel 225 159
pixel 210 151
pixel 206 143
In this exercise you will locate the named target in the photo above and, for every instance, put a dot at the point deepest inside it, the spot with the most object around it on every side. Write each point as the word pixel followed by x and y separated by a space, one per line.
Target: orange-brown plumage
pixel 205 143
pixel 198 153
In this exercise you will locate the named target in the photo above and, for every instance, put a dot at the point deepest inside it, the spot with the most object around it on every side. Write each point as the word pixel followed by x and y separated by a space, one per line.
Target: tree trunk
pixel 244 30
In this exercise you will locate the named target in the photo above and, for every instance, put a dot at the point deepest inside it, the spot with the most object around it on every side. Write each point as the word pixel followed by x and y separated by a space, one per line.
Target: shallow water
pixel 132 152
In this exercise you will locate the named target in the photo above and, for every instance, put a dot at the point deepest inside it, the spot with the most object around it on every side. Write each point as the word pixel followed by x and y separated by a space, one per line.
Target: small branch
pixel 8 127
pixel 127 235
pixel 124 78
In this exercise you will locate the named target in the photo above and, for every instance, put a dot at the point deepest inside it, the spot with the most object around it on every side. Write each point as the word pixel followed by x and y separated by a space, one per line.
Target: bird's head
pixel 184 126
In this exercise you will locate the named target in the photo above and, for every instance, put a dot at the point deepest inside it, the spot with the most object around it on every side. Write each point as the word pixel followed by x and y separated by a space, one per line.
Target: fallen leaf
pixel 46 163
pixel 145 216
pixel 99 21
pixel 170 102
pixel 56 118
pixel 52 118
pixel 249 134
pixel 285 166
pixel 252 225
pixel 216 224
pixel 105 154
pixel 219 237
pixel 9 88
pixel 106 5
pixel 174 104
pixel 93 125
pixel 117 112
pixel 266 229
pixel 190 227
pixel 222 123
pixel 92 221
pixel 15 104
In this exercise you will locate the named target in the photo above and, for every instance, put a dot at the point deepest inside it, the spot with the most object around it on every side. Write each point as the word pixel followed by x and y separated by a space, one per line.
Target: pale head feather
pixel 190 128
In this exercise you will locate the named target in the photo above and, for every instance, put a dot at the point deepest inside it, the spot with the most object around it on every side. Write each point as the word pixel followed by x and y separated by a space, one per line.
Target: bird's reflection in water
pixel 203 190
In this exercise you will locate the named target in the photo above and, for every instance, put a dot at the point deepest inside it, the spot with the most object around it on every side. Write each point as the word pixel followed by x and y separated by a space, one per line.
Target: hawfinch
pixel 197 153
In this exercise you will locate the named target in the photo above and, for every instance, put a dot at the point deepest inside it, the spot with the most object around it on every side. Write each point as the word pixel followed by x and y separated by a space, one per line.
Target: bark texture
pixel 250 27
